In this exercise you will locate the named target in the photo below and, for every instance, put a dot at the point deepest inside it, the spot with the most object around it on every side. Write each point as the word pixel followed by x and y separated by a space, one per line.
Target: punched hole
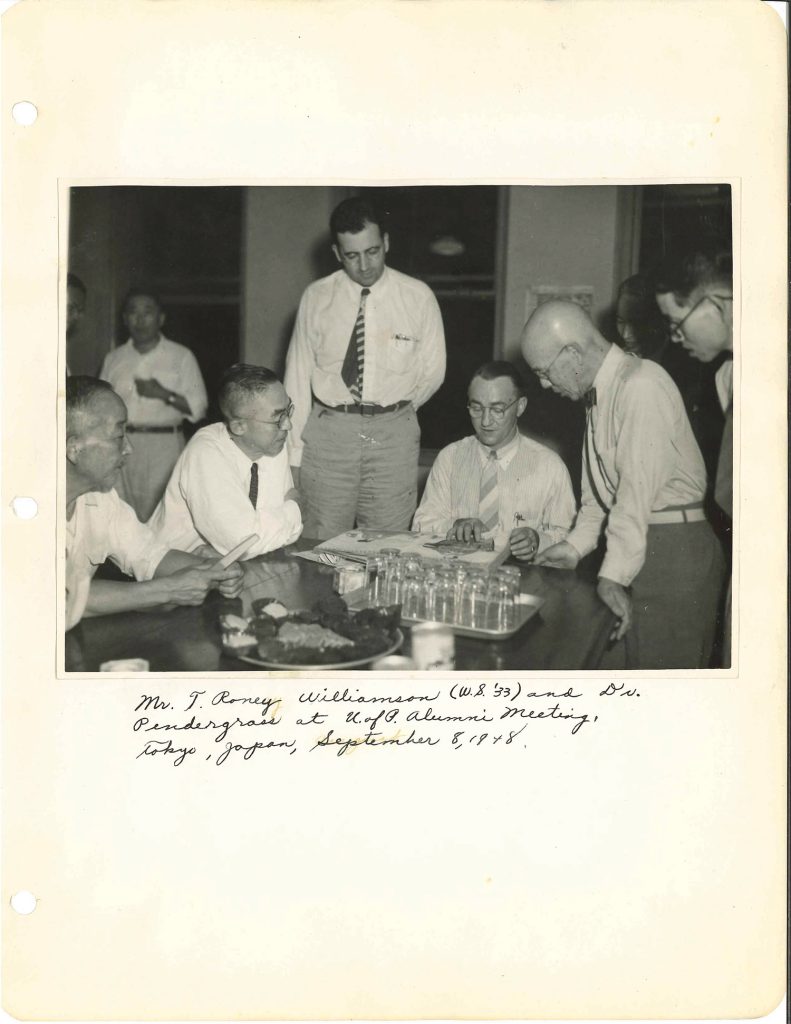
pixel 25 508
pixel 23 902
pixel 24 113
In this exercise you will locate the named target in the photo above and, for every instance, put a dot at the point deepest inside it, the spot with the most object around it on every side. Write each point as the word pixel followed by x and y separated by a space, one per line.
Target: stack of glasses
pixel 456 594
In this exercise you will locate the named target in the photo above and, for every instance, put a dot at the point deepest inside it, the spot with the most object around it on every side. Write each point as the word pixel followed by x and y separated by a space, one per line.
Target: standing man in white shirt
pixel 99 525
pixel 368 349
pixel 643 482
pixel 233 478
pixel 498 481
pixel 161 385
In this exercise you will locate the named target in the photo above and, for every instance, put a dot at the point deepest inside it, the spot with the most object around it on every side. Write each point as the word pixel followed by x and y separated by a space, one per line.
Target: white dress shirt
pixel 207 500
pixel 404 345
pixel 176 369
pixel 103 526
pixel 533 485
pixel 643 458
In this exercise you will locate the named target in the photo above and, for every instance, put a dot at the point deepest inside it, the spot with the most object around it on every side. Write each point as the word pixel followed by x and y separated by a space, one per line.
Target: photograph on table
pixel 503 410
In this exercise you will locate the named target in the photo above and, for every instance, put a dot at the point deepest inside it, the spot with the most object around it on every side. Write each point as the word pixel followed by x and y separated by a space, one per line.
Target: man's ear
pixel 161 319
pixel 386 242
pixel 237 427
pixel 337 254
pixel 72 449
pixel 521 405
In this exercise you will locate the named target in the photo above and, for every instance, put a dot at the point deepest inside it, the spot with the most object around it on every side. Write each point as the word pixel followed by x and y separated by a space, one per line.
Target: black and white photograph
pixel 476 427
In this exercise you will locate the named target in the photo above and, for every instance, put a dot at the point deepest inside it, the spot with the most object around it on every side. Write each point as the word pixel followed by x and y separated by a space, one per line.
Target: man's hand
pixel 617 599
pixel 524 542
pixel 232 580
pixel 466 530
pixel 189 586
pixel 151 388
pixel 560 556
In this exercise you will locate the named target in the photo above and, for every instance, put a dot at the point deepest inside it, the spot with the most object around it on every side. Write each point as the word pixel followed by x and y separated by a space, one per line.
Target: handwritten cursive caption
pixel 330 721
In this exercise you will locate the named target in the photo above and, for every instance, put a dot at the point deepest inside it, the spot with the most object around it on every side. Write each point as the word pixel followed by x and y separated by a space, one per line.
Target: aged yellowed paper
pixel 633 867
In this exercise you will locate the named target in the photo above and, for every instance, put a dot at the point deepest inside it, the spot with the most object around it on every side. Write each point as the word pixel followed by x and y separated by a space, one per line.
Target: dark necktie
pixel 590 398
pixel 354 362
pixel 254 484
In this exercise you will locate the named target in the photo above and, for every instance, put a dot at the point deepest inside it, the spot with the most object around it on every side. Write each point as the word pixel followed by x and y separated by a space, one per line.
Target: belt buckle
pixel 367 408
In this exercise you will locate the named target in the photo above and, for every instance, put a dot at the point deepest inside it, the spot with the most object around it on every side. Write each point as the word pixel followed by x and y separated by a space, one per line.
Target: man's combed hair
pixel 351 216
pixel 697 268
pixel 241 382
pixel 500 368
pixel 141 291
pixel 80 393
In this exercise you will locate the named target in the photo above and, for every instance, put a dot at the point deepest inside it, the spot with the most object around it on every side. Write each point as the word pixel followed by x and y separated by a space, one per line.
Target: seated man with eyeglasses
pixel 233 478
pixel 498 481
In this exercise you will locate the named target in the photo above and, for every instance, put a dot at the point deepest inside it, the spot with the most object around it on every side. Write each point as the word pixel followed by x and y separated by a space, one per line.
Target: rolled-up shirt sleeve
pixel 221 510
pixel 133 546
pixel 435 514
pixel 300 362
pixel 560 508
pixel 588 525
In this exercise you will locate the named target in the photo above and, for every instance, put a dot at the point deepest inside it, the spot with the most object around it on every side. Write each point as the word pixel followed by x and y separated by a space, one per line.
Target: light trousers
pixel 359 471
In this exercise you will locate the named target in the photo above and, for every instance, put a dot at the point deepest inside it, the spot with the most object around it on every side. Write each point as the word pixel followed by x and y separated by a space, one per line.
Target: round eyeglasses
pixel 476 410
pixel 279 422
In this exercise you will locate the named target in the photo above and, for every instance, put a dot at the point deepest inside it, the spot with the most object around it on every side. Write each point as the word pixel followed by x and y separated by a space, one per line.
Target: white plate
pixel 326 666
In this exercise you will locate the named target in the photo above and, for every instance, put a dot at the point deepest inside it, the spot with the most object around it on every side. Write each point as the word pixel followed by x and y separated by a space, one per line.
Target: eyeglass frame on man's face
pixel 677 329
pixel 544 374
pixel 496 412
pixel 287 414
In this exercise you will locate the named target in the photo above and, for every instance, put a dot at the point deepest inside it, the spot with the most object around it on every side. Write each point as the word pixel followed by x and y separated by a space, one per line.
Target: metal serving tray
pixel 526 608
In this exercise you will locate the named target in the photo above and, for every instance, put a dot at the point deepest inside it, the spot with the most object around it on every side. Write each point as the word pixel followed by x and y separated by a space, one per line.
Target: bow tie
pixel 589 398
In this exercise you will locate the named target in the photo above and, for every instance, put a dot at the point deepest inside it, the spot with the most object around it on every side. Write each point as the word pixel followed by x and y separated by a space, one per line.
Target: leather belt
pixel 684 514
pixel 365 408
pixel 132 429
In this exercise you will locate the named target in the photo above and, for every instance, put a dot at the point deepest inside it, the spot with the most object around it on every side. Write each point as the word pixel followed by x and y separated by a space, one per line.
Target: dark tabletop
pixel 569 632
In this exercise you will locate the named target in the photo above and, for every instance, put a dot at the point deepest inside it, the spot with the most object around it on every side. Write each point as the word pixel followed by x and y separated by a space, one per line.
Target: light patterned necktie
pixel 354 362
pixel 489 504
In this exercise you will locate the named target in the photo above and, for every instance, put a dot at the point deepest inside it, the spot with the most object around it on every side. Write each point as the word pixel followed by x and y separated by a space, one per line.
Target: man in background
pixel 76 294
pixel 99 525
pixel 695 295
pixel 233 478
pixel 498 481
pixel 368 349
pixel 161 385
pixel 643 483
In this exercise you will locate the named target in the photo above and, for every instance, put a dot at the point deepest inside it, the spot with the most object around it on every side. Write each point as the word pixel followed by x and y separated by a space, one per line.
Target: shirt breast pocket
pixel 401 351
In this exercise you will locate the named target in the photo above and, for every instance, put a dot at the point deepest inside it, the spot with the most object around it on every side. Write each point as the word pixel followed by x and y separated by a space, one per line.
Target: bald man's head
pixel 563 348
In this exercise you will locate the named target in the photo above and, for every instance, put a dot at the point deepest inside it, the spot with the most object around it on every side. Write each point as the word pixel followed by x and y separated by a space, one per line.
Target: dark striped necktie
pixel 354 362
pixel 254 484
